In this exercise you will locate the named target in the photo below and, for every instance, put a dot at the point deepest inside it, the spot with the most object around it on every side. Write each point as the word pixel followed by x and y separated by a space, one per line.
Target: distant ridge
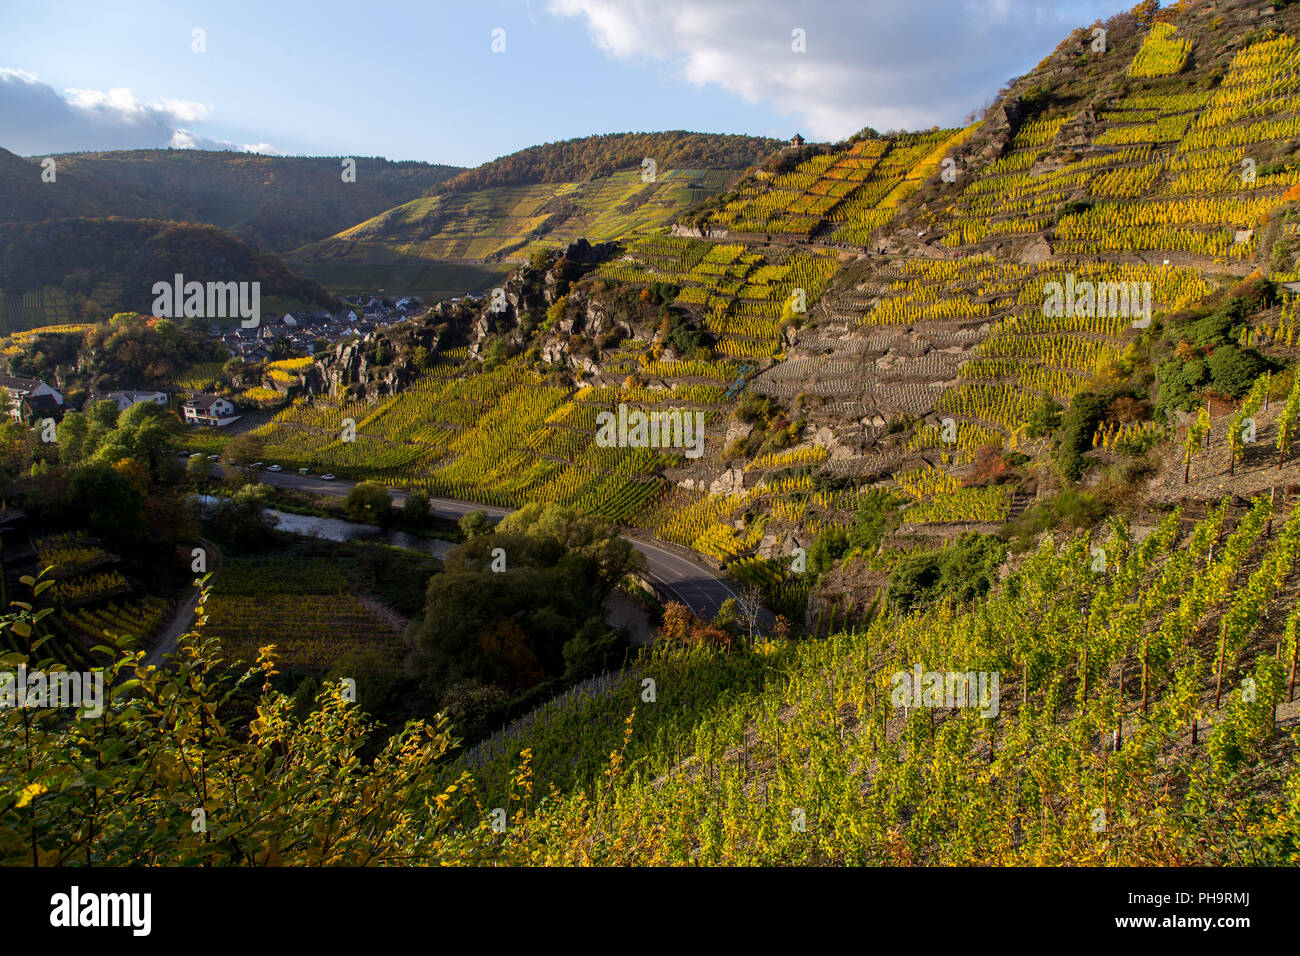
pixel 276 203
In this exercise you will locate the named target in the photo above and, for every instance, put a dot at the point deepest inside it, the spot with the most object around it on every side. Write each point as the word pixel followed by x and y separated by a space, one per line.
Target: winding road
pixel 699 587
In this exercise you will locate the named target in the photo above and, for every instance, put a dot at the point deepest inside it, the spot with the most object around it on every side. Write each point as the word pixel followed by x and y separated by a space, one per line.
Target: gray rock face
pixel 384 362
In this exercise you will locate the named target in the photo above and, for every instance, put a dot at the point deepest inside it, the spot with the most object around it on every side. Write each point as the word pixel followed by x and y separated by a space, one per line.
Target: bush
pixel 242 520
pixel 368 502
pixel 1180 381
pixel 877 516
pixel 1213 330
pixel 474 708
pixel 1233 370
pixel 1078 425
pixel 828 548
pixel 415 510
pixel 474 523
pixel 596 647
pixel 961 573
pixel 1045 418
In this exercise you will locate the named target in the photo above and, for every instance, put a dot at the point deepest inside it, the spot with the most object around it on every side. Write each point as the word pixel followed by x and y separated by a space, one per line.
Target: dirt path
pixel 183 619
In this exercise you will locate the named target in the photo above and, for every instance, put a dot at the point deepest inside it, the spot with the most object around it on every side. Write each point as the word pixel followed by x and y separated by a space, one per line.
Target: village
pixel 299 334
pixel 302 331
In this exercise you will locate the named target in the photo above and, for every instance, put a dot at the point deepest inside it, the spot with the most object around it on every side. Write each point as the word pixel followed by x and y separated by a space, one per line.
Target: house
pixel 126 399
pixel 208 410
pixel 796 140
pixel 34 408
pixel 17 389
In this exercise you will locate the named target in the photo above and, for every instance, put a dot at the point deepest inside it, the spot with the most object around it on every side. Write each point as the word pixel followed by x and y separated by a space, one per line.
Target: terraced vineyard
pixel 507 221
pixel 502 437
pixel 1169 664
pixel 946 284
pixel 305 607
pixel 743 295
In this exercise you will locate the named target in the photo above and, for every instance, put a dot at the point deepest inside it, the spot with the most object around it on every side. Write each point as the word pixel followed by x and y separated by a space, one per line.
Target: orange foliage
pixel 682 626
pixel 507 646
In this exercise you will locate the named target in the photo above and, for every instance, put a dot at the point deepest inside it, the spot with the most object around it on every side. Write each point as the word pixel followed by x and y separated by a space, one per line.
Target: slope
pixel 873 319
pixel 72 270
pixel 459 237
pixel 273 202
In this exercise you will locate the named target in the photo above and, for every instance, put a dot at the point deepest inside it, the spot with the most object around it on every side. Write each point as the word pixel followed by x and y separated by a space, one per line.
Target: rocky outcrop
pixel 388 360
pixel 697 232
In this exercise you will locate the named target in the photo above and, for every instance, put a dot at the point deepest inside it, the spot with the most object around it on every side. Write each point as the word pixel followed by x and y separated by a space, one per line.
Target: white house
pixel 17 389
pixel 126 399
pixel 209 410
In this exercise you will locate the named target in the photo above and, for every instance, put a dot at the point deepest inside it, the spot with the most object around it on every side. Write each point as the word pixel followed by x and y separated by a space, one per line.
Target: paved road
pixel 696 585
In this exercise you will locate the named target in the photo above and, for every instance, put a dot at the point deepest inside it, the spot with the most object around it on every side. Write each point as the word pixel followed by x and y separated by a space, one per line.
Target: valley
pixel 1011 403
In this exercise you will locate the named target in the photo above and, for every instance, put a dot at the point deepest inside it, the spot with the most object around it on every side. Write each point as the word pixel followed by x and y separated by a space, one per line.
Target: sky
pixel 466 81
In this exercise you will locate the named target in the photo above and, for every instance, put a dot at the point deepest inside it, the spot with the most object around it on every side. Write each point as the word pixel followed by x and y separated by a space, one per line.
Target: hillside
pixel 463 236
pixel 275 203
pixel 74 270
pixel 597 157
pixel 924 354
pixel 1001 423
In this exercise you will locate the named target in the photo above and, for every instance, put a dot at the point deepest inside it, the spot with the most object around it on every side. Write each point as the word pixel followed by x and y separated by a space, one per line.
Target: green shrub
pixel 1078 425
pixel 961 573
pixel 1233 370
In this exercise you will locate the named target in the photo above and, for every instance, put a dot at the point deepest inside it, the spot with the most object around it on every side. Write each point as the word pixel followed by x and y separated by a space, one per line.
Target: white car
pixel 327 477
pixel 214 458
pixel 274 468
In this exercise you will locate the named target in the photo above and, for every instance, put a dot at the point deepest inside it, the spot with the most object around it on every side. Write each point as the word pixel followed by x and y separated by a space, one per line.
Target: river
pixel 337 529
pixel 620 610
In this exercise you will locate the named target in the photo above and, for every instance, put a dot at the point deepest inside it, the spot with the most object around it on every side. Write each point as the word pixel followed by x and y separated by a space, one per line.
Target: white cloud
pixel 37 119
pixel 8 72
pixel 884 63
pixel 185 111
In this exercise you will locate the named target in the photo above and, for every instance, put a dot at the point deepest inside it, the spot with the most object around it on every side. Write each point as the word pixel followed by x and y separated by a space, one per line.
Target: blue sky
pixel 420 80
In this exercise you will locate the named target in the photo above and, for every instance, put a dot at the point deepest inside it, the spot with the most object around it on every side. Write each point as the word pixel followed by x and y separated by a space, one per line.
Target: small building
pixel 796 140
pixel 210 410
pixel 126 399
pixel 34 408
pixel 17 389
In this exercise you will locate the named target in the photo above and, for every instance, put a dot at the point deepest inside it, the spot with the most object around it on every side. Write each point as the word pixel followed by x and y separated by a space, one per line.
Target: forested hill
pixel 79 269
pixel 275 203
pixel 593 157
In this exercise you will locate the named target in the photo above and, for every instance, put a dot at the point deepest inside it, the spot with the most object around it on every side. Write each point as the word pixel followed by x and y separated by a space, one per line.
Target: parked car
pixel 274 468
pixel 327 477
pixel 259 464
pixel 214 458
pixel 302 471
